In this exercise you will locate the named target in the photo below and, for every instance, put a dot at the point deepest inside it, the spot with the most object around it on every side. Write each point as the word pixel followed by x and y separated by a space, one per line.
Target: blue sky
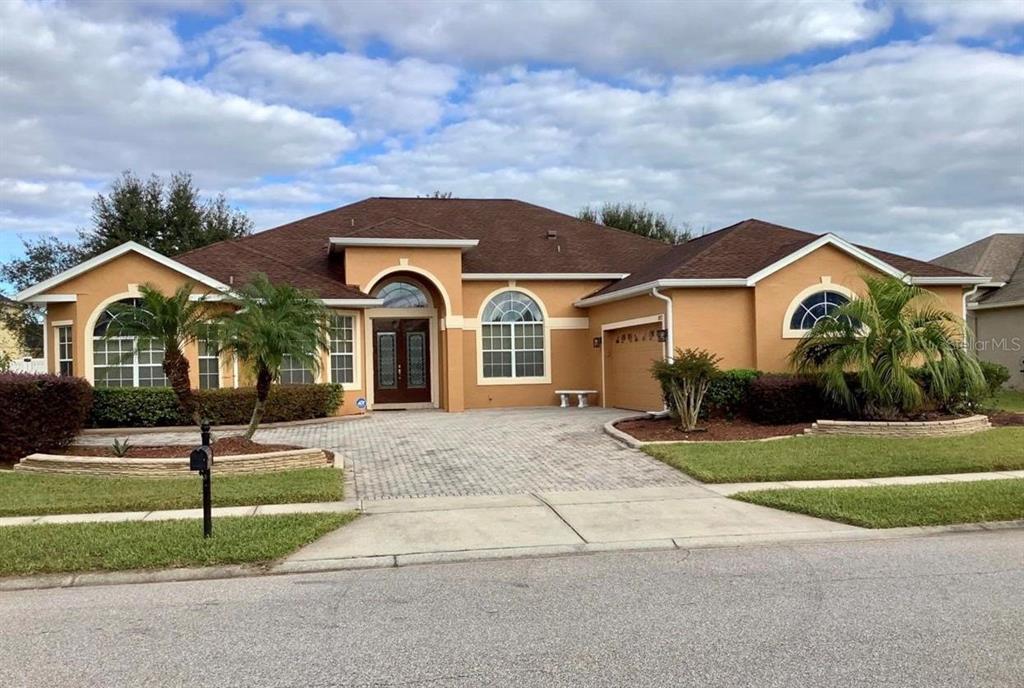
pixel 894 123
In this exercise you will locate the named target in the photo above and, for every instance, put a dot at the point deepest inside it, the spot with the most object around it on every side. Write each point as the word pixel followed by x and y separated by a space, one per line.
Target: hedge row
pixel 157 406
pixel 40 413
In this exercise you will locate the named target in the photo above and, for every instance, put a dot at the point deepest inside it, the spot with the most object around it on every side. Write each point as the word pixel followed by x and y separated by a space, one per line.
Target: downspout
pixel 669 343
pixel 967 327
pixel 669 339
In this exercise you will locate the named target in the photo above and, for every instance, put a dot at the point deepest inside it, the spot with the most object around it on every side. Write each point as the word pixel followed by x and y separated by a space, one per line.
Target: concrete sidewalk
pixel 398 532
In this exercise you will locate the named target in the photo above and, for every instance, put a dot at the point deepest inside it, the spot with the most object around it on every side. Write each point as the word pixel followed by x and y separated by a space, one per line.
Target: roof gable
pixel 128 247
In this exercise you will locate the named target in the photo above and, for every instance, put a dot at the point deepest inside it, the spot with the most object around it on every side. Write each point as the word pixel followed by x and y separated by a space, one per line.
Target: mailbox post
pixel 201 460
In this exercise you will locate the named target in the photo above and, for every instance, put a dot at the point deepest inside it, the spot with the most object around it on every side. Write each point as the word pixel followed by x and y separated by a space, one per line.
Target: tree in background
pixel 273 321
pixel 638 219
pixel 170 217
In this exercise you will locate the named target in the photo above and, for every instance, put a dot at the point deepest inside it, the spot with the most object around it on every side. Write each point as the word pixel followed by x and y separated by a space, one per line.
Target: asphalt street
pixel 937 611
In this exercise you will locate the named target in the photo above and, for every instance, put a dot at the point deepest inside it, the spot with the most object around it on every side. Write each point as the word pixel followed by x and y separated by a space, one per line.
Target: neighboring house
pixel 459 303
pixel 9 343
pixel 995 311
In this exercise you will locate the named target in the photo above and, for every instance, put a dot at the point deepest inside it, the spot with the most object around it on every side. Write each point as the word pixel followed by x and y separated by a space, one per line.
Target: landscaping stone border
pixel 932 428
pixel 285 460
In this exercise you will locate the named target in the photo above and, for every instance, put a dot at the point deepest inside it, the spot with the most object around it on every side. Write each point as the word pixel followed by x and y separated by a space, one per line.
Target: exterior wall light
pixel 597 342
pixel 662 336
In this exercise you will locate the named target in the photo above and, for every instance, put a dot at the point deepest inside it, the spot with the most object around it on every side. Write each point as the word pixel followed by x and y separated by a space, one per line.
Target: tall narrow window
pixel 342 349
pixel 65 363
pixel 293 372
pixel 209 362
pixel 512 337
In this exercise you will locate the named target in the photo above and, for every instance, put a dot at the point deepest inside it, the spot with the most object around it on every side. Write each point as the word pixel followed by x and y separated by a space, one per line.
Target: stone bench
pixel 581 396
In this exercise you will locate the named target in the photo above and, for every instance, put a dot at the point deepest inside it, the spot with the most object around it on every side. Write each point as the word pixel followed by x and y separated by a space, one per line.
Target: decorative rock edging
pixel 932 428
pixel 288 459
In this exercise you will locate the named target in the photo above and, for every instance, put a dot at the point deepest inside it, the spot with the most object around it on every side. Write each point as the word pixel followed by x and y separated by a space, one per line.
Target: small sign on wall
pixel 361 403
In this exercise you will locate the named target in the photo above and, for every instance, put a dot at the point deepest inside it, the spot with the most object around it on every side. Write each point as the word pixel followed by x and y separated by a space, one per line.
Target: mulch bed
pixel 1005 419
pixel 225 446
pixel 715 430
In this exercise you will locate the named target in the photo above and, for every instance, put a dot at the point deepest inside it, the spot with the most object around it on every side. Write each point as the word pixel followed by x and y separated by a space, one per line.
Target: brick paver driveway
pixel 505 451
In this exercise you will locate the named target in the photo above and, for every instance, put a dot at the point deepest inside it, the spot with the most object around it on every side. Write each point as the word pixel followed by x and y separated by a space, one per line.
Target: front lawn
pixel 1009 400
pixel 28 550
pixel 822 458
pixel 892 506
pixel 33 494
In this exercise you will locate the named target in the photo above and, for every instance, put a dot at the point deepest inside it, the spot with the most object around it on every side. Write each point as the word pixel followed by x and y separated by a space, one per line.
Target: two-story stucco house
pixel 467 303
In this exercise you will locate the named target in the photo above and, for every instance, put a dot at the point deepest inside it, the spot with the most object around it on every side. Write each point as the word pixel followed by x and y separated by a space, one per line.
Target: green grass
pixel 892 506
pixel 821 458
pixel 1010 400
pixel 27 550
pixel 32 494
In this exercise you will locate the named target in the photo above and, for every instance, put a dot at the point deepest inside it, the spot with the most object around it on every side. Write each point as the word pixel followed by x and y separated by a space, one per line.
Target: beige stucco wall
pixel 999 338
pixel 569 355
pixel 719 320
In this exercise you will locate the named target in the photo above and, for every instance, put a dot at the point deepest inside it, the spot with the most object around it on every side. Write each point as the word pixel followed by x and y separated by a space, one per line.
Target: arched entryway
pixel 403 342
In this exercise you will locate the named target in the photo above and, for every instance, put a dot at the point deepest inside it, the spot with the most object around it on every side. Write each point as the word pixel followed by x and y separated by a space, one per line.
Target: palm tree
pixel 273 321
pixel 174 321
pixel 885 337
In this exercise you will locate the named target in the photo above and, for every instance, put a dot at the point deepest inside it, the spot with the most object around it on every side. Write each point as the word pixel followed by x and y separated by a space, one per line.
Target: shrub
pixel 996 375
pixel 156 406
pixel 40 413
pixel 729 392
pixel 784 399
pixel 685 380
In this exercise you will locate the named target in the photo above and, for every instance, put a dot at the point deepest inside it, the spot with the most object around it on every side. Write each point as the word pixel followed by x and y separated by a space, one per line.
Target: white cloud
pixel 406 95
pixel 890 147
pixel 86 99
pixel 967 17
pixel 608 35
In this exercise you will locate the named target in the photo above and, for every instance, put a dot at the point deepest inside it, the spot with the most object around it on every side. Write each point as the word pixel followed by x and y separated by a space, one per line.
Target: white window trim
pixel 133 363
pixel 357 383
pixel 826 284
pixel 57 327
pixel 497 381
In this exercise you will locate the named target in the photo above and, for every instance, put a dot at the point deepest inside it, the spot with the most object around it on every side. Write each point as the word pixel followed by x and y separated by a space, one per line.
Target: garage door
pixel 628 353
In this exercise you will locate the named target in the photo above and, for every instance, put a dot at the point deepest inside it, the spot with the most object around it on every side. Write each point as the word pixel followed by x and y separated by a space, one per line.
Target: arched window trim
pixel 545 327
pixel 144 364
pixel 411 287
pixel 826 284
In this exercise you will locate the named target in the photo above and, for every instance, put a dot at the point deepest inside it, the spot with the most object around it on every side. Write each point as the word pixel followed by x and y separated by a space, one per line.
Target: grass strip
pixel 65 548
pixel 824 458
pixel 34 494
pixel 893 506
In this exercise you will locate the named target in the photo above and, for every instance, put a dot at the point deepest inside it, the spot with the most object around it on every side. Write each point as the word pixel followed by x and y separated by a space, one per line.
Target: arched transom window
pixel 403 295
pixel 818 305
pixel 512 337
pixel 118 362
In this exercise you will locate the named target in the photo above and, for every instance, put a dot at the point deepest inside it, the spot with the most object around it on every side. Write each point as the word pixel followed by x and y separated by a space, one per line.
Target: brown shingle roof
pixel 513 237
pixel 740 250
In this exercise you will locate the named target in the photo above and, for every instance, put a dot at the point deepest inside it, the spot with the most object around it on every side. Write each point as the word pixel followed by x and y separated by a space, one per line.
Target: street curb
pixel 52 581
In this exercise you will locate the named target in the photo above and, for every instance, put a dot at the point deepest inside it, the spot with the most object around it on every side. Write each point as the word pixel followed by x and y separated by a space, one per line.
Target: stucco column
pixel 454 364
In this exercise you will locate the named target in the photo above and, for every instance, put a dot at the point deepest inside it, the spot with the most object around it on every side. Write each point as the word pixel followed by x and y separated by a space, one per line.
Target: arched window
pixel 512 337
pixel 118 362
pixel 403 295
pixel 815 307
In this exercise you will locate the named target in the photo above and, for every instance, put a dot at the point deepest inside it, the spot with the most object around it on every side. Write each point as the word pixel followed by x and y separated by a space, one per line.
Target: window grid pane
pixel 816 307
pixel 294 373
pixel 342 343
pixel 512 337
pixel 64 351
